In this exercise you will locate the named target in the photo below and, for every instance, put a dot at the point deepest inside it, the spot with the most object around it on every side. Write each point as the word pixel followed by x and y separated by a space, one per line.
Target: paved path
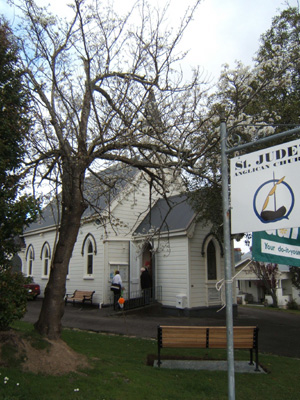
pixel 279 332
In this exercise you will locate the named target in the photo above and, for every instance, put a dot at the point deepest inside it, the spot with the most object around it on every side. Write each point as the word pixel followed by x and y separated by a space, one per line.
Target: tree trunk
pixel 52 311
pixel 274 298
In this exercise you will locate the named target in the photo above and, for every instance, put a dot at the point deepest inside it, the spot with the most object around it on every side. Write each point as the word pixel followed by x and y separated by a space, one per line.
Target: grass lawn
pixel 120 372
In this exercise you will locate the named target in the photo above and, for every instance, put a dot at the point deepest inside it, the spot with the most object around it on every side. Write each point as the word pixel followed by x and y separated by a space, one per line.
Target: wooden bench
pixel 79 296
pixel 208 337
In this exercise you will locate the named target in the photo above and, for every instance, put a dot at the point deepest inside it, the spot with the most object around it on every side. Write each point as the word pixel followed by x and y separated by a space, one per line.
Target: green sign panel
pixel 281 246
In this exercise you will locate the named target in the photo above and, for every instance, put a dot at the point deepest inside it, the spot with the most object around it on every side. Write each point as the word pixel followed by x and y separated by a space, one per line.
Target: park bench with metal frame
pixel 80 296
pixel 208 337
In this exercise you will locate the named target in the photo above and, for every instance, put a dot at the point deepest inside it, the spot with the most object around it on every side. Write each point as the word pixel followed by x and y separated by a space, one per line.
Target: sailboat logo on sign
pixel 273 201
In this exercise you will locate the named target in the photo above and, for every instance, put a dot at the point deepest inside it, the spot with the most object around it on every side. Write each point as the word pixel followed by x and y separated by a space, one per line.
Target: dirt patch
pixel 55 358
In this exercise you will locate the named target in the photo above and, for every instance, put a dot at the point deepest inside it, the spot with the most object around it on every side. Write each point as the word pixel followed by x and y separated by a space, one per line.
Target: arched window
pixel 45 257
pixel 89 250
pixel 46 262
pixel 30 259
pixel 90 257
pixel 211 262
pixel 30 262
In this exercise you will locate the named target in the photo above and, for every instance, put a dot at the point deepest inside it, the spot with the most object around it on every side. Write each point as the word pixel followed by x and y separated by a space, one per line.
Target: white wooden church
pixel 184 259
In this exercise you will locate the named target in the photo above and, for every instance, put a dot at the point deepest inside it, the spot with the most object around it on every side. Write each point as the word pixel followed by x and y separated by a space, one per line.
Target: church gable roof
pixel 168 215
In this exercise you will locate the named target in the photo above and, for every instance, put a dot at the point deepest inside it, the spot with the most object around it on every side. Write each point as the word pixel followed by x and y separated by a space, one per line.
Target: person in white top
pixel 117 280
pixel 116 287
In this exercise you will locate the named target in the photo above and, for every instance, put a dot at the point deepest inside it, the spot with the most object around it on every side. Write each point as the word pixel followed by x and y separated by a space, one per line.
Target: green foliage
pixel 295 274
pixel 15 210
pixel 292 305
pixel 13 297
pixel 9 356
pixel 14 122
pixel 207 201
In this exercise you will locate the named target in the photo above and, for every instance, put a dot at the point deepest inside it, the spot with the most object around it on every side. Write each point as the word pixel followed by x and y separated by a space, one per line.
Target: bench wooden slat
pixel 243 337
pixel 184 336
pixel 183 340
pixel 190 345
pixel 185 332
pixel 217 338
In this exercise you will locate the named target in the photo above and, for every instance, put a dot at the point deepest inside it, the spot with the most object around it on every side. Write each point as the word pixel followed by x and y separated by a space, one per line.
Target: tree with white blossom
pixel 105 90
pixel 267 93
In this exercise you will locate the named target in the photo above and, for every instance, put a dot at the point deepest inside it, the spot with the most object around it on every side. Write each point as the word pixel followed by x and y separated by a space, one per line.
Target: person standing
pixel 146 284
pixel 116 287
pixel 145 279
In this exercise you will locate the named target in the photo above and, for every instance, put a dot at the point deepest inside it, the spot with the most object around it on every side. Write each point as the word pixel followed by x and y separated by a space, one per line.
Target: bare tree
pixel 105 90
pixel 268 275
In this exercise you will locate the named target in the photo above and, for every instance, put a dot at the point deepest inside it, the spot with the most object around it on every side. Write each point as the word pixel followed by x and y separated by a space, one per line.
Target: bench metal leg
pixel 256 359
pixel 158 358
pixel 159 341
pixel 251 357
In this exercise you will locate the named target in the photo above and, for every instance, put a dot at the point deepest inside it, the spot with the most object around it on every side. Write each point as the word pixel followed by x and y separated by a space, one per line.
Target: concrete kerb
pixel 209 365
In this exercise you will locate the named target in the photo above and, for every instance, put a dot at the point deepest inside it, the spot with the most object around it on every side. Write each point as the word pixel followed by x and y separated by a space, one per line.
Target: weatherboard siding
pixel 129 211
pixel 132 204
pixel 198 279
pixel 172 269
pixel 78 279
pixel 37 241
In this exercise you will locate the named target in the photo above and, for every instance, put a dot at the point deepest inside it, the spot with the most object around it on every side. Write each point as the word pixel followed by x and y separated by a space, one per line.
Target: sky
pixel 222 30
pixel 227 30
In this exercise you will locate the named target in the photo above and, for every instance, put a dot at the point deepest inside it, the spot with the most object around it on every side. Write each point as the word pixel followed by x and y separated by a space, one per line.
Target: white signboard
pixel 265 189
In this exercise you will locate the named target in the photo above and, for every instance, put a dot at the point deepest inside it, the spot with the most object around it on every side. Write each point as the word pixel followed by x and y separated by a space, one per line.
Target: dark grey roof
pixel 49 217
pixel 99 191
pixel 168 215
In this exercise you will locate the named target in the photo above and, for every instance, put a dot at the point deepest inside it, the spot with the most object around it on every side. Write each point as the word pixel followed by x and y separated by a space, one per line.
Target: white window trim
pixel 30 262
pixel 44 276
pixel 87 276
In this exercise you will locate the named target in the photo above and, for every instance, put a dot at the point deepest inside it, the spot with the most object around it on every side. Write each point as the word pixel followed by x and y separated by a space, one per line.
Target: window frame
pixel 89 258
pixel 30 256
pixel 88 251
pixel 211 262
pixel 46 258
pixel 213 296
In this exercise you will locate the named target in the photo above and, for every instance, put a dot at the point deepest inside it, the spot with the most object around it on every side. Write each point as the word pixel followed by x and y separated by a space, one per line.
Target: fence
pixel 140 298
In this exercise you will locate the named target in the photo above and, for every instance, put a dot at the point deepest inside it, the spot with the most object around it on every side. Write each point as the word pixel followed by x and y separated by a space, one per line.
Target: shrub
pixel 292 305
pixel 13 297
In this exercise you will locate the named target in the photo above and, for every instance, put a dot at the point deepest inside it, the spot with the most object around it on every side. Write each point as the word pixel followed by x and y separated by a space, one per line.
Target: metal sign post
pixel 228 268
